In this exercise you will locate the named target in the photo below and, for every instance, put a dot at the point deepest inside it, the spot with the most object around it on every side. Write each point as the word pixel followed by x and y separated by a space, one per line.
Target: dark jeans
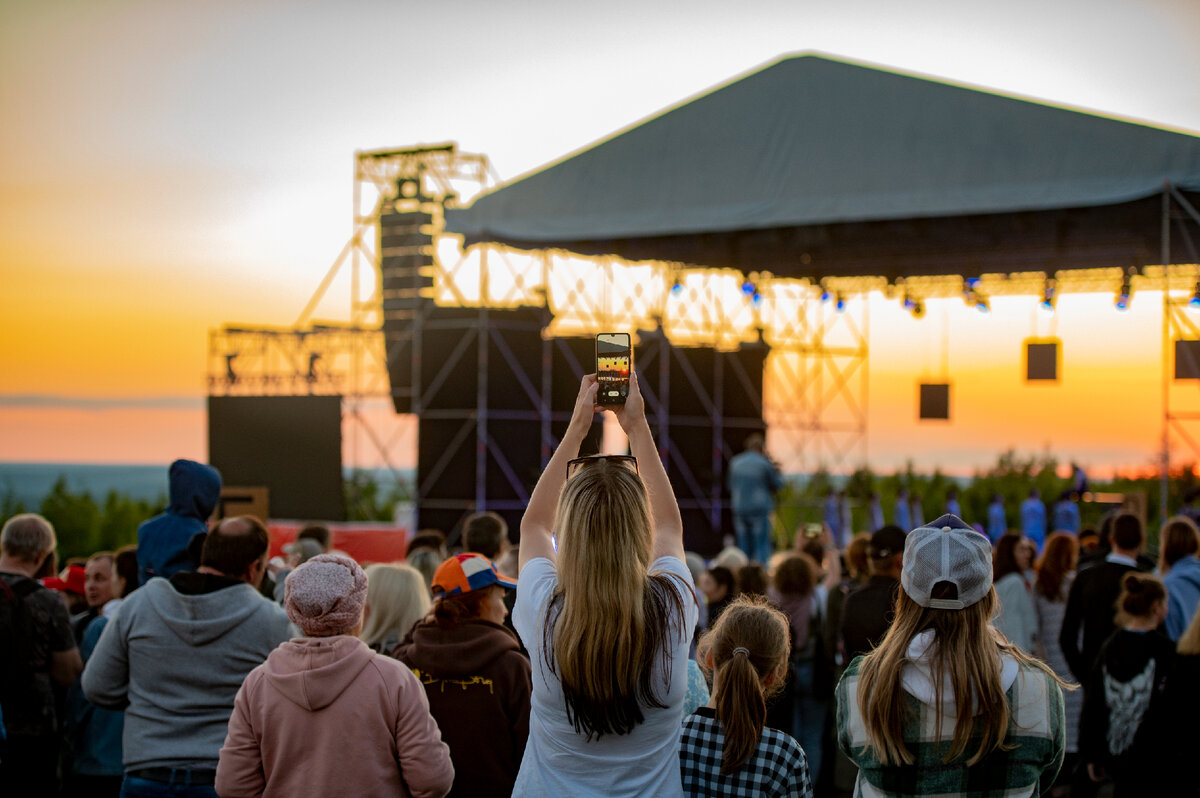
pixel 753 534
pixel 144 788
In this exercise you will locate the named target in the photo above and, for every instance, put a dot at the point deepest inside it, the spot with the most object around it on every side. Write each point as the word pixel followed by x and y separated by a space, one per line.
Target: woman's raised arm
pixel 537 525
pixel 664 509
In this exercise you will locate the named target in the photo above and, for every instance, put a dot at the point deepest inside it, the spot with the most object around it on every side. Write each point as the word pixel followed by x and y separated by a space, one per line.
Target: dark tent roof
pixel 813 161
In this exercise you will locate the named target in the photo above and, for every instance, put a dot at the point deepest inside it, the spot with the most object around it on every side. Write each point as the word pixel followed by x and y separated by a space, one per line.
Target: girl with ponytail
pixel 1125 732
pixel 725 749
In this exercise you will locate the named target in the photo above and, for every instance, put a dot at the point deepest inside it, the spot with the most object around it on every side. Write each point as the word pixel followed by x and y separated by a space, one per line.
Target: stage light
pixel 756 299
pixel 841 302
pixel 1124 294
pixel 826 295
pixel 1194 302
pixel 981 304
pixel 918 309
pixel 748 288
pixel 677 288
pixel 1049 293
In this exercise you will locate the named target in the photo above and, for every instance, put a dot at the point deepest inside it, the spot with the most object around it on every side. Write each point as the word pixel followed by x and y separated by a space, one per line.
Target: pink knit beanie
pixel 325 595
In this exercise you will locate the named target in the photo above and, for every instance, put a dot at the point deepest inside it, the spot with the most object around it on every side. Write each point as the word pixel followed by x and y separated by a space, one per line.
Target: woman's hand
pixel 633 412
pixel 585 404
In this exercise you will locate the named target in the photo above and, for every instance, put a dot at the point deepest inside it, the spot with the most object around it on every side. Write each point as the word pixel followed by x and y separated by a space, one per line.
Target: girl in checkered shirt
pixel 725 749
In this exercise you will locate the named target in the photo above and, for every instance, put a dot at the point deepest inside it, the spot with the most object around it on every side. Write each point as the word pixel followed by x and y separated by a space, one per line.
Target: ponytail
pixel 748 646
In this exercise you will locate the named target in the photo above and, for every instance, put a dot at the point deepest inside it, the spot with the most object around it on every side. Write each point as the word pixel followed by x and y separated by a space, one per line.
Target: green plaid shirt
pixel 1036 726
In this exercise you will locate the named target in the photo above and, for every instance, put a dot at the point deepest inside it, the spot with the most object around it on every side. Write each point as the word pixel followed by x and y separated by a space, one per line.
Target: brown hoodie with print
pixel 478 685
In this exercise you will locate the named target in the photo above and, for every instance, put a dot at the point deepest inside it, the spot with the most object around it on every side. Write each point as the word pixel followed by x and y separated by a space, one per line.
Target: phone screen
pixel 614 359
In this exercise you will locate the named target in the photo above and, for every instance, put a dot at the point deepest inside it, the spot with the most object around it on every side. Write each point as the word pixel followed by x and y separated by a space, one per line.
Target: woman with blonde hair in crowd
pixel 1125 732
pixel 607 616
pixel 944 705
pixel 726 748
pixel 1179 568
pixel 396 600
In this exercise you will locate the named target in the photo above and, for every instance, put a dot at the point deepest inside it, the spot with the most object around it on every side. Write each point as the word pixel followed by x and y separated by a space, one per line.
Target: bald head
pixel 235 545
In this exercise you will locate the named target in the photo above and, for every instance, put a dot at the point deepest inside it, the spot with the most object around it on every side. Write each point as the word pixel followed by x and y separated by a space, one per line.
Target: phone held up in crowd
pixel 614 361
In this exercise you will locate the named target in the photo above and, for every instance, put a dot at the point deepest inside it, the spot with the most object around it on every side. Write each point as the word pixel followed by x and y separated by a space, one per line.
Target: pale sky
pixel 166 167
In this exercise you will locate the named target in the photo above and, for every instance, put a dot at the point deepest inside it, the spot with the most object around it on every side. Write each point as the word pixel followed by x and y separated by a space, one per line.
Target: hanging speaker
pixel 1041 361
pixel 1187 360
pixel 935 401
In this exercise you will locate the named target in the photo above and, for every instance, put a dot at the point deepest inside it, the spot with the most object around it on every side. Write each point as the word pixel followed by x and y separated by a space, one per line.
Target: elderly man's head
pixel 28 538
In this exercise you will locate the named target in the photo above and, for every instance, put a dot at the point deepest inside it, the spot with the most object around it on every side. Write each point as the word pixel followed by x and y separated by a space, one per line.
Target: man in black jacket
pixel 1091 606
pixel 868 611
pixel 1093 594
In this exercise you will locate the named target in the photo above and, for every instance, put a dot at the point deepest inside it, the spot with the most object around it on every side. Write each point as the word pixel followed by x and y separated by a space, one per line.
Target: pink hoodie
pixel 328 716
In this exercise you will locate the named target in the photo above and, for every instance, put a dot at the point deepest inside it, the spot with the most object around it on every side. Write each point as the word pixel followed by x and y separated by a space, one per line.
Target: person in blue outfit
pixel 162 550
pixel 902 516
pixel 1033 518
pixel 832 515
pixel 1066 514
pixel 997 521
pixel 952 505
pixel 753 482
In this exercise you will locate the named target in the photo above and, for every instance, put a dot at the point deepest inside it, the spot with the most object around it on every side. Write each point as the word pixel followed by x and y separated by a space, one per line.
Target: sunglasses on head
pixel 626 460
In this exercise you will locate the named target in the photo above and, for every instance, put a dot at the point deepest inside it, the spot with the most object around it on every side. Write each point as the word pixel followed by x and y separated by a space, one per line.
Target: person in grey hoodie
pixel 175 655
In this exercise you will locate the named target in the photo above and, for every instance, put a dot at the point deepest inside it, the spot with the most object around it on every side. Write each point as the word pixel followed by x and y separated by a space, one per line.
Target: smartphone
pixel 614 360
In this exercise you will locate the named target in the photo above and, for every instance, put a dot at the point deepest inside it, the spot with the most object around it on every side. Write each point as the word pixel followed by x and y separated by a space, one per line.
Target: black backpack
pixel 16 647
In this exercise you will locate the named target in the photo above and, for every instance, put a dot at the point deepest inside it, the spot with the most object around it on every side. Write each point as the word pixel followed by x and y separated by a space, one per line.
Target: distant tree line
pixel 1012 476
pixel 85 525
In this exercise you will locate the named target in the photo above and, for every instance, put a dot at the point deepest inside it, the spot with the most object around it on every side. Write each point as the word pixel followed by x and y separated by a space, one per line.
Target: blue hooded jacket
pixel 1183 595
pixel 195 489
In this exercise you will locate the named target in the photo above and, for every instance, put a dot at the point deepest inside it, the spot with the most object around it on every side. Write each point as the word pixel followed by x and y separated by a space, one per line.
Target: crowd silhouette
pixel 593 655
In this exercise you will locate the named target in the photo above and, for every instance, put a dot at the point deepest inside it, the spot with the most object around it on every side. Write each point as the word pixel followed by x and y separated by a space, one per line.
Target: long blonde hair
pixel 967 651
pixel 398 598
pixel 747 647
pixel 609 620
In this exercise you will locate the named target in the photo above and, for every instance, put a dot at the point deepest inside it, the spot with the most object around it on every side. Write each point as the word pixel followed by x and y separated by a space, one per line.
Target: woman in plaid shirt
pixel 725 750
pixel 944 705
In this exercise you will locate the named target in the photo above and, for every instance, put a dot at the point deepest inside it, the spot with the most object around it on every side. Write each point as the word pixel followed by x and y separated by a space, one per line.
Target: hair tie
pixel 741 650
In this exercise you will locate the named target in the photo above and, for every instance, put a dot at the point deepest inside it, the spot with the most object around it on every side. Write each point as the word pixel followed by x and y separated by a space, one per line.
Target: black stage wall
pixel 290 444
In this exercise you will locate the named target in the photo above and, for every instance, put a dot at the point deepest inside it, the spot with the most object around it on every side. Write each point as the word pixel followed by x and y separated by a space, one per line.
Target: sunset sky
pixel 166 168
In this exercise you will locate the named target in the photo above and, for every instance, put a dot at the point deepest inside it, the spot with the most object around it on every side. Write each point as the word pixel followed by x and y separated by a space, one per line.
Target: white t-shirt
pixel 560 761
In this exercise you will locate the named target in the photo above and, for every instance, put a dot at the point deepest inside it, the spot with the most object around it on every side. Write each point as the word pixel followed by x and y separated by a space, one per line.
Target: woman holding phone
pixel 607 616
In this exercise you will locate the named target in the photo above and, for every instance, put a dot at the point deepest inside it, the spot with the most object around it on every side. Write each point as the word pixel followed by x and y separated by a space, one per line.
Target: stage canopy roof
pixel 813 166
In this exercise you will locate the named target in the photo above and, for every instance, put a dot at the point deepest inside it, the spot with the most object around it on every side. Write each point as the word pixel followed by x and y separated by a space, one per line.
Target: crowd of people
pixel 598 657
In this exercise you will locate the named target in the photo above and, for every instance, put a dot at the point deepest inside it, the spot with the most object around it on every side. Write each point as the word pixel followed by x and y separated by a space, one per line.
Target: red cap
pixel 76 577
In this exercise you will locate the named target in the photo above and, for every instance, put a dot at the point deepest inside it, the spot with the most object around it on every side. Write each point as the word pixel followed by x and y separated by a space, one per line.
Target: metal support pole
pixel 718 439
pixel 1166 351
pixel 481 413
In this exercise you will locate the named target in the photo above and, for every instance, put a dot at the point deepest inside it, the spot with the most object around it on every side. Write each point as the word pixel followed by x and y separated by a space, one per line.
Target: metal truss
pixel 818 370
pixel 1181 405
pixel 347 358
pixel 816 396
